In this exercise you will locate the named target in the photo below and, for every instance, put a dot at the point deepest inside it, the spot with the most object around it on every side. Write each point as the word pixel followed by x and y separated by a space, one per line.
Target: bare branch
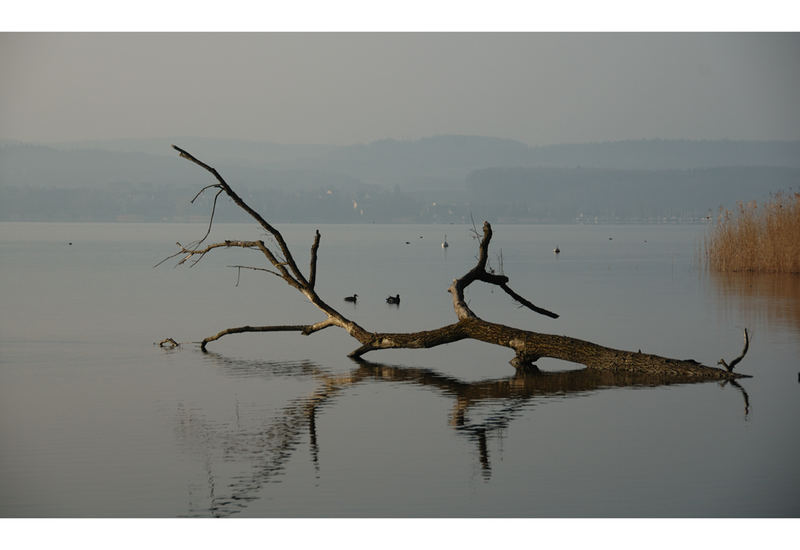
pixel 191 251
pixel 280 265
pixel 218 186
pixel 483 249
pixel 303 329
pixel 255 215
pixel 479 273
pixel 178 253
pixel 211 219
pixel 312 272
pixel 240 267
pixel 526 303
pixel 474 230
pixel 736 361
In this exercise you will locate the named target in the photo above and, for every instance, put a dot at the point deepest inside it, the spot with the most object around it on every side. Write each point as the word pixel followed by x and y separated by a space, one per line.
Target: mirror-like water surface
pixel 97 421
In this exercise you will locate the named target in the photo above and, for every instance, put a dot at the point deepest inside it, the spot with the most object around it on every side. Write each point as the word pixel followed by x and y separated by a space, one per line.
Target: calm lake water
pixel 97 421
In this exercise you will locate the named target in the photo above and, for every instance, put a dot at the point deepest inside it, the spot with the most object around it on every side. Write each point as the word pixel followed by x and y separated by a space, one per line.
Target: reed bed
pixel 757 238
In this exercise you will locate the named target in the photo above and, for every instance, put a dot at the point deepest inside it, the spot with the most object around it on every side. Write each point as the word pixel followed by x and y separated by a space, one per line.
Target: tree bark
pixel 528 346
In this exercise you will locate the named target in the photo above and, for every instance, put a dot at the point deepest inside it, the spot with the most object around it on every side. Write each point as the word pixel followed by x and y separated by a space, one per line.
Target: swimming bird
pixel 352 298
pixel 393 300
pixel 556 250
pixel 444 242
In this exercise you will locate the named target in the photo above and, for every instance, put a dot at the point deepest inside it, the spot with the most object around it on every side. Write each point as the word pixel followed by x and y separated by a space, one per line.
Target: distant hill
pixel 451 157
pixel 435 179
pixel 24 165
pixel 669 154
pixel 232 151
pixel 440 161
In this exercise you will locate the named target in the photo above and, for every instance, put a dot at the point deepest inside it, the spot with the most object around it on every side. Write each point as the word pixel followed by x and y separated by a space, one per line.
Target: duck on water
pixel 393 300
pixel 352 298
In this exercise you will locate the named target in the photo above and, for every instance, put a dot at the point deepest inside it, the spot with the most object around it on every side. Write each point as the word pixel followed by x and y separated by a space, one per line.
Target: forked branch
pixel 741 356
pixel 190 252
pixel 479 273
pixel 244 206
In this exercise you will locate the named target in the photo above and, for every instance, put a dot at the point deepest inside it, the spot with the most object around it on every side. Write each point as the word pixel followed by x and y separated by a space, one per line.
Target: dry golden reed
pixel 757 238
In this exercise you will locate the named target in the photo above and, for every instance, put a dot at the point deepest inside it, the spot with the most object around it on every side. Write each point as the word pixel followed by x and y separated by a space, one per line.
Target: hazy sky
pixel 355 88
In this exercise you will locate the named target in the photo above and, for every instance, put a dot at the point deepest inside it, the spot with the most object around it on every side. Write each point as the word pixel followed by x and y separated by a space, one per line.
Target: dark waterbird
pixel 393 299
pixel 352 298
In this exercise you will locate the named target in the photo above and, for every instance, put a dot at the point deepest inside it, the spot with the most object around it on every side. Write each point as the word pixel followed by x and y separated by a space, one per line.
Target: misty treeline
pixel 433 180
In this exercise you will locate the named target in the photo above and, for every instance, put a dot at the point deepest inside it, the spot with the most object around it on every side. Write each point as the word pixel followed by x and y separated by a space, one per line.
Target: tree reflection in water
pixel 267 448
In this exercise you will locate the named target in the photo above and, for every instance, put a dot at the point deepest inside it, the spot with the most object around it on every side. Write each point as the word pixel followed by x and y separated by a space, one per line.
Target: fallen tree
pixel 528 346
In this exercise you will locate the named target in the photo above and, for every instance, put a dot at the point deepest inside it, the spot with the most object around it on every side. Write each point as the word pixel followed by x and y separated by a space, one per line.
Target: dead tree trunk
pixel 528 346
